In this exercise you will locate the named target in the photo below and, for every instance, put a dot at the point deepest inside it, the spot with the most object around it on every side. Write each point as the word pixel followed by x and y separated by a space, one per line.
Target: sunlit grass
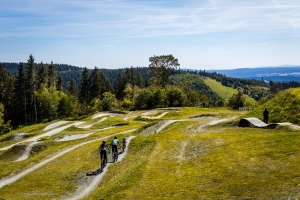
pixel 187 160
pixel 225 92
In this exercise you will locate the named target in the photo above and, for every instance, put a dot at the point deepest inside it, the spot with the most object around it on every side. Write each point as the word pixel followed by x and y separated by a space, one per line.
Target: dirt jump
pixel 255 122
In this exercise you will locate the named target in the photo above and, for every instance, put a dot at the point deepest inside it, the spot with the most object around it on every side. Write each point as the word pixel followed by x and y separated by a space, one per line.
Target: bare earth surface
pixel 47 134
pixel 54 125
pixel 72 137
pixel 84 190
pixel 8 180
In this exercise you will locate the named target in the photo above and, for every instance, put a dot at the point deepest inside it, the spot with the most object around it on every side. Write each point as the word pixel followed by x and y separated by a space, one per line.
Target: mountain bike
pixel 123 147
pixel 103 163
pixel 115 155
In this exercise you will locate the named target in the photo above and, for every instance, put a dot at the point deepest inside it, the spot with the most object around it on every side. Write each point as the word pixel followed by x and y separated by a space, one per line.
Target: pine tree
pixel 139 80
pixel 20 97
pixel 84 89
pixel 30 87
pixel 59 83
pixel 72 88
pixel 96 84
pixel 51 75
pixel 120 86
pixel 130 76
pixel 42 77
pixel 7 93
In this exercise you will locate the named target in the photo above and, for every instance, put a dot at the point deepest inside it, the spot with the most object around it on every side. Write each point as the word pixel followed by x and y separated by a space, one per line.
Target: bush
pixel 108 102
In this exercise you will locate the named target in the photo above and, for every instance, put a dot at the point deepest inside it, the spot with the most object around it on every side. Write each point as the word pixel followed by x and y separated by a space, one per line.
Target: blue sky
pixel 203 34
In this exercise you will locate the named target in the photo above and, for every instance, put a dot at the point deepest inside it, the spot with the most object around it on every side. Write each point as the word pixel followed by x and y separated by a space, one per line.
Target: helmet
pixel 115 137
pixel 104 141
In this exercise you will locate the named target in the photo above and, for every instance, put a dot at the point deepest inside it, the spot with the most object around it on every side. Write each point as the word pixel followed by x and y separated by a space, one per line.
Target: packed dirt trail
pixel 27 152
pixel 47 134
pixel 54 125
pixel 8 180
pixel 85 190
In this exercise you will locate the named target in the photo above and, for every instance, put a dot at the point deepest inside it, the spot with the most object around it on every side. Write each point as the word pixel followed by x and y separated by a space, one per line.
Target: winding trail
pixel 54 125
pixel 8 180
pixel 85 190
pixel 27 152
pixel 73 137
pixel 156 128
pixel 156 117
pixel 90 125
pixel 49 133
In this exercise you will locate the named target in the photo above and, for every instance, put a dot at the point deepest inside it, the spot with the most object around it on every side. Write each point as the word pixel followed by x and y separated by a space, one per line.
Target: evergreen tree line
pixel 36 94
pixel 68 72
pixel 257 89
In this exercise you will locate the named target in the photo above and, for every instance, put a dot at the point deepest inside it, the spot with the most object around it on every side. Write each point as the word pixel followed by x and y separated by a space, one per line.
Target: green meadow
pixel 193 158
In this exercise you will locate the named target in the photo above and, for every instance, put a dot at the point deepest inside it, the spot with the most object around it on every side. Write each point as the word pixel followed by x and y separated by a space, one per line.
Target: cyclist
pixel 102 150
pixel 124 143
pixel 114 144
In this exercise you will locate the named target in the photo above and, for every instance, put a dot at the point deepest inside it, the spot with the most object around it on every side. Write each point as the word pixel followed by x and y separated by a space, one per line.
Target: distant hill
pixel 223 91
pixel 277 74
pixel 198 84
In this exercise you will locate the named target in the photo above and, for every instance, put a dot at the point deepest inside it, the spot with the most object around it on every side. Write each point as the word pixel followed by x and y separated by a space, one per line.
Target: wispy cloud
pixel 147 18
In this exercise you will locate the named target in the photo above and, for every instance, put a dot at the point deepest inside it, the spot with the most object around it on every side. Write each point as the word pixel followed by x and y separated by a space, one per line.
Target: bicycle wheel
pixel 115 156
pixel 102 164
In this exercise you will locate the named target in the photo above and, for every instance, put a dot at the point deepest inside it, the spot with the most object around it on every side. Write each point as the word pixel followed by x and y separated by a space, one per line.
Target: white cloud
pixel 152 19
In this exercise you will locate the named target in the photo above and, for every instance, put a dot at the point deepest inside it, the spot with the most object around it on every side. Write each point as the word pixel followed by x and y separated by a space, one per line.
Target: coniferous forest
pixel 33 92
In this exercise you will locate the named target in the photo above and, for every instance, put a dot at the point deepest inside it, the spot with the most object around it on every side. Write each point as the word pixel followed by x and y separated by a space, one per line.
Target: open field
pixel 202 154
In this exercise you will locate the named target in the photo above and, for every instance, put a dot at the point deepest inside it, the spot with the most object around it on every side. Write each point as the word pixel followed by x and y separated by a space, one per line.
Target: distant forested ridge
pixel 67 72
pixel 33 92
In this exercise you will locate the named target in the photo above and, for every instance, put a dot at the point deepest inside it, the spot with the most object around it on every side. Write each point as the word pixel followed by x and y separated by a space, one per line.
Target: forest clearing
pixel 202 154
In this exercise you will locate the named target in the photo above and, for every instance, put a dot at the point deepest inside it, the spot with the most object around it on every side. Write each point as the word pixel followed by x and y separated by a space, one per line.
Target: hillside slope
pixel 198 84
pixel 284 107
pixel 223 91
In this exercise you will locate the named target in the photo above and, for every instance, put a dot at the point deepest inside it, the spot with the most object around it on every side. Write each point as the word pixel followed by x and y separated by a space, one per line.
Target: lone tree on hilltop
pixel 160 67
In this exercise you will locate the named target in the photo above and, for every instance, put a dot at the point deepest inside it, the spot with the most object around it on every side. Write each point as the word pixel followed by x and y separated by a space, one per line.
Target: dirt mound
pixel 204 115
pixel 13 153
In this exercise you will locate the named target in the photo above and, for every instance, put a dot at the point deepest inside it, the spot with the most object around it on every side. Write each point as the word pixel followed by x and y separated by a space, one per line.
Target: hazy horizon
pixel 113 34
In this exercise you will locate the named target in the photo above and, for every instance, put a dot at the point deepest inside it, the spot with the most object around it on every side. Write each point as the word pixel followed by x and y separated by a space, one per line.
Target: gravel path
pixel 90 125
pixel 54 125
pixel 72 137
pixel 49 133
pixel 8 180
pixel 156 128
pixel 27 152
pixel 85 190
pixel 156 117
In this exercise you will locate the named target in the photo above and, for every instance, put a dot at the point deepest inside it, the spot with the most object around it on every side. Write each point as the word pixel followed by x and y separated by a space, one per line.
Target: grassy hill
pixel 193 158
pixel 198 84
pixel 223 91
pixel 284 107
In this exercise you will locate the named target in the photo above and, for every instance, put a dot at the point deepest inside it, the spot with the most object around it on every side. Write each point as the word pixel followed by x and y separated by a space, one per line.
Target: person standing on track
pixel 103 147
pixel 266 115
pixel 114 144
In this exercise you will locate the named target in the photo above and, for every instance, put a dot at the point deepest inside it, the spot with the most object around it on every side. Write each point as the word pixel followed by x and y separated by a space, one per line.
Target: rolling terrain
pixel 176 153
